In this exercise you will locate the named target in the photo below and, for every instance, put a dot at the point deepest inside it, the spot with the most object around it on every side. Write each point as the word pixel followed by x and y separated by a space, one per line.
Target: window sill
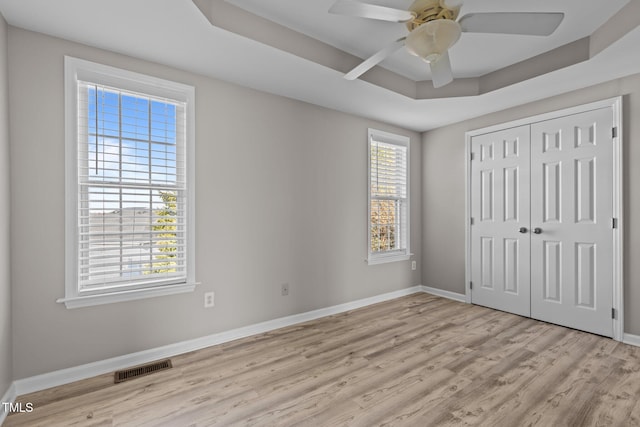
pixel 131 295
pixel 383 259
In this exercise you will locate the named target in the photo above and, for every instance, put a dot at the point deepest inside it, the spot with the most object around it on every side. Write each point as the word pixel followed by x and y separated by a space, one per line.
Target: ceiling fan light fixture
pixel 432 39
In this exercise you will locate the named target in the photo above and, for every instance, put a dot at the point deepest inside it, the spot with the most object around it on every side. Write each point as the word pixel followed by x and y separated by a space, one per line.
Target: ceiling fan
pixel 434 27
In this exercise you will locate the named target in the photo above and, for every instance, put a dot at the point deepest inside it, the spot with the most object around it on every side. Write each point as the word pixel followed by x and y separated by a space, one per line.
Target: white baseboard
pixel 445 294
pixel 631 339
pixel 8 397
pixel 77 373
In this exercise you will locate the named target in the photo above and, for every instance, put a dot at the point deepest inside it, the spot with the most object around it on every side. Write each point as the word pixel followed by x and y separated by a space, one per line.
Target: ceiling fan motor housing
pixel 431 10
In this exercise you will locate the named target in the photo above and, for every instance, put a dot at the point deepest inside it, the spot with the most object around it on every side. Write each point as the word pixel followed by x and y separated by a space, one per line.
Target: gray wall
pixel 5 257
pixel 281 197
pixel 443 175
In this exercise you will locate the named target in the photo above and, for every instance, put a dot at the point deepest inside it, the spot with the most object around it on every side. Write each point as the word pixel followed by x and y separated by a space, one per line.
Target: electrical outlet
pixel 209 299
pixel 284 289
pixel 413 265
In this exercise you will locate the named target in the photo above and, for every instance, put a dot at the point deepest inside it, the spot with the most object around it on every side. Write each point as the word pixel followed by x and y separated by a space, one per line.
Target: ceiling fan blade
pixel 441 73
pixel 374 60
pixel 525 23
pixel 371 11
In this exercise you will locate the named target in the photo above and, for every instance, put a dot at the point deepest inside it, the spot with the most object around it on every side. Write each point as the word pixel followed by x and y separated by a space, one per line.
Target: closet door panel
pixel 500 236
pixel 571 206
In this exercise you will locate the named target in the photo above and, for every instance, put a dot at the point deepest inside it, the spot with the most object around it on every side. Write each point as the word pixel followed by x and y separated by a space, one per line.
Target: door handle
pixel 537 230
pixel 522 230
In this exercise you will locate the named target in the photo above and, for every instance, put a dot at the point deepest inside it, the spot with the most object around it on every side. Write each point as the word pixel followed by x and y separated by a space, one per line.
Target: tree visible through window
pixel 388 199
pixel 384 223
pixel 384 212
pixel 165 261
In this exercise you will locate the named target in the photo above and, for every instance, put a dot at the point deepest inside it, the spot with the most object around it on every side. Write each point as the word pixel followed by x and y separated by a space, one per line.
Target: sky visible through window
pixel 131 139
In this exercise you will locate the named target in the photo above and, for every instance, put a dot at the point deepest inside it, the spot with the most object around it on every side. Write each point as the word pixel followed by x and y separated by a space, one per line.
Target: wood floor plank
pixel 419 360
pixel 616 395
pixel 363 385
pixel 530 392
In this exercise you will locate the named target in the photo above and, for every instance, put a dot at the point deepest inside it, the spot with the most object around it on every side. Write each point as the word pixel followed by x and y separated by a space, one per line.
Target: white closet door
pixel 500 257
pixel 571 214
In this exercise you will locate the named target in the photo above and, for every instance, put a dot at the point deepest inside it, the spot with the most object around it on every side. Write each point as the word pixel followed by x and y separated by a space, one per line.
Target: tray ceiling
pixel 473 56
pixel 261 54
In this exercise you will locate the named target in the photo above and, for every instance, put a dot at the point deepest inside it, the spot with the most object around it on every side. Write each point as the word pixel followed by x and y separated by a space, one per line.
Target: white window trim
pixel 401 254
pixel 78 69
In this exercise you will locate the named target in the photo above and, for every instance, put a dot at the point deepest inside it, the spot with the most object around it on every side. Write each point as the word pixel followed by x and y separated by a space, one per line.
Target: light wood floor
pixel 415 361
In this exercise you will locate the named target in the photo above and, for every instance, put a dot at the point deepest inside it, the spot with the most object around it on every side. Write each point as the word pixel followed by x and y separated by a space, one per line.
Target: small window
pixel 388 197
pixel 129 188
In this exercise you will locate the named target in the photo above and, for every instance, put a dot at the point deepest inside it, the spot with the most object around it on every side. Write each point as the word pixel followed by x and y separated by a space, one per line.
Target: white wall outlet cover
pixel 209 299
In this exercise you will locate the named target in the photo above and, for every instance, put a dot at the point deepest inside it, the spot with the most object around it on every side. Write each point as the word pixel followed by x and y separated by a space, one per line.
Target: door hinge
pixel 614 132
pixel 471 156
pixel 471 221
pixel 613 313
pixel 470 285
pixel 614 222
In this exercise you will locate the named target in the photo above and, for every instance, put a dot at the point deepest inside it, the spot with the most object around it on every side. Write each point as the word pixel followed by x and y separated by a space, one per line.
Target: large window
pixel 388 197
pixel 129 185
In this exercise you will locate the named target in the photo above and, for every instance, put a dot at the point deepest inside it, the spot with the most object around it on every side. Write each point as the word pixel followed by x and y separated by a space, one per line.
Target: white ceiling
pixel 175 33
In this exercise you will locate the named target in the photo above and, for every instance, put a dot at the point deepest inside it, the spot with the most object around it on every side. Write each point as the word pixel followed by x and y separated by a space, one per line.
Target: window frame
pixel 395 255
pixel 78 69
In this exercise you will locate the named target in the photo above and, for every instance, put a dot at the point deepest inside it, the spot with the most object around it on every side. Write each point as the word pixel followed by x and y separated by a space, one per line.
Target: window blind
pixel 388 197
pixel 132 229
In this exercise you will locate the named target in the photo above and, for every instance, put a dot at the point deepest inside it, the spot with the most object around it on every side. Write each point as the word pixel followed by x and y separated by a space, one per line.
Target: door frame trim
pixel 618 243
